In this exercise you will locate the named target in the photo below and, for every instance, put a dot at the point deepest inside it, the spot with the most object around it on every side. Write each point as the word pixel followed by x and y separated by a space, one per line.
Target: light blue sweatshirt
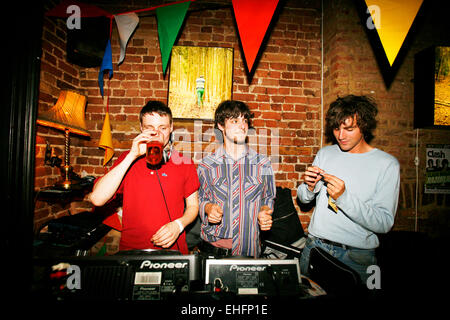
pixel 368 204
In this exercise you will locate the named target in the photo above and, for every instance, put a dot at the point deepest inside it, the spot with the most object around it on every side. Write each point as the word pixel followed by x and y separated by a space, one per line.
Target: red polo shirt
pixel 144 208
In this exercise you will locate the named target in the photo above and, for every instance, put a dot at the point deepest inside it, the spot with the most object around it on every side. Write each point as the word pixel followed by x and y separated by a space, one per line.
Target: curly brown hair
pixel 364 108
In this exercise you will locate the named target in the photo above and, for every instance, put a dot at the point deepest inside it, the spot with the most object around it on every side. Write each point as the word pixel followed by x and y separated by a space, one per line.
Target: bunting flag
pixel 170 19
pixel 253 18
pixel 126 24
pixel 114 221
pixel 106 66
pixel 392 20
pixel 106 140
pixel 389 26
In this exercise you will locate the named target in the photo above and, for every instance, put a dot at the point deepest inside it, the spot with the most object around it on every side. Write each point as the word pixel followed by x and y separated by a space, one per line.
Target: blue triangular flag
pixel 106 65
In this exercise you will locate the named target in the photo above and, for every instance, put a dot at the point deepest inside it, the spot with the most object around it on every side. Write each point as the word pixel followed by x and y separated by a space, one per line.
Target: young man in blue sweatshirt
pixel 356 187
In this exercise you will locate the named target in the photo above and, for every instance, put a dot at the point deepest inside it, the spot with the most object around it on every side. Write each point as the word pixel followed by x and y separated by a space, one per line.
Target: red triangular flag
pixel 114 221
pixel 253 18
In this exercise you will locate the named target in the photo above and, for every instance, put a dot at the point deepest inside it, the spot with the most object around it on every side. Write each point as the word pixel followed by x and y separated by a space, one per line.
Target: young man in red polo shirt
pixel 158 201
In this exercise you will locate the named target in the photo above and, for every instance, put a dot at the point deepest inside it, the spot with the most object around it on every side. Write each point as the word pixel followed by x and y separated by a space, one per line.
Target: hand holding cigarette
pixel 313 175
pixel 335 186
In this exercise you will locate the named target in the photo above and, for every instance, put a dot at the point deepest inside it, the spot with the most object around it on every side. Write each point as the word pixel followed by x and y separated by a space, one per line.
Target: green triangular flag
pixel 170 19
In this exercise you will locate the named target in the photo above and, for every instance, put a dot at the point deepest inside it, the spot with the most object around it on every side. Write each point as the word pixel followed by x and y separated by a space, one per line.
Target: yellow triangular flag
pixel 393 19
pixel 106 140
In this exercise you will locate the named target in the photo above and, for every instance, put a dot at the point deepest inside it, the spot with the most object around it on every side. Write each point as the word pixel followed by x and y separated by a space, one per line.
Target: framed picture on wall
pixel 432 88
pixel 200 78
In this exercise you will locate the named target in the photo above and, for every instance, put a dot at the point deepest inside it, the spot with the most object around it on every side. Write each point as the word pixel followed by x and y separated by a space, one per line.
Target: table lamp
pixel 67 115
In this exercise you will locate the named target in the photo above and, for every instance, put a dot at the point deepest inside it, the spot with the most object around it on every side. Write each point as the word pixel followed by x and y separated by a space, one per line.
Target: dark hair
pixel 231 109
pixel 346 107
pixel 157 107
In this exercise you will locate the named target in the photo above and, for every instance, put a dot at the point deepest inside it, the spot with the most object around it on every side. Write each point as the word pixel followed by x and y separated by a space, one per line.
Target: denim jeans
pixel 357 259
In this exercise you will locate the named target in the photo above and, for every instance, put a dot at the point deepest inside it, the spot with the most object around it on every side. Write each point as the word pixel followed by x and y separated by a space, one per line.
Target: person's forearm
pixel 305 195
pixel 106 186
pixel 189 215
pixel 191 211
pixel 204 198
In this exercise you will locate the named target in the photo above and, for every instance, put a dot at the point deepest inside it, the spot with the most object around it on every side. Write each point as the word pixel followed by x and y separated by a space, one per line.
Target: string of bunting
pixel 252 27
pixel 253 18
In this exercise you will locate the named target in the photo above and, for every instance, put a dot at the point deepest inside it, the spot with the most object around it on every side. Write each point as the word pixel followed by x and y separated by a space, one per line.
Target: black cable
pixel 165 202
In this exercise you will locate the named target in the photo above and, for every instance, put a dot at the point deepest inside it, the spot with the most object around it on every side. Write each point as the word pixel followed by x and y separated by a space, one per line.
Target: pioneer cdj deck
pixel 268 277
pixel 163 275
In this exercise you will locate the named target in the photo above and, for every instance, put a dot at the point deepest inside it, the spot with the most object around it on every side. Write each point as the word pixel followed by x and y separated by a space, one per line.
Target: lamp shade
pixel 66 114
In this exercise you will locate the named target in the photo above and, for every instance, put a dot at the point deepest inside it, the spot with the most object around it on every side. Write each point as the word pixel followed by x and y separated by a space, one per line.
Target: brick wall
pixel 285 95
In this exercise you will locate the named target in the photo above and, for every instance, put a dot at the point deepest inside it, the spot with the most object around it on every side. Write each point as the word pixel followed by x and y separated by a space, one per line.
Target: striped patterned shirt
pixel 240 188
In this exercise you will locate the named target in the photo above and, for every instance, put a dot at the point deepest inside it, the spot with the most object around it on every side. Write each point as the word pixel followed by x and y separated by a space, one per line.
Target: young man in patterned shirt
pixel 237 188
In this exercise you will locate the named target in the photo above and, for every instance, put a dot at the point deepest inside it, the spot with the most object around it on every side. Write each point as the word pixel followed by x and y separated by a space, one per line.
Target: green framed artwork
pixel 200 78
